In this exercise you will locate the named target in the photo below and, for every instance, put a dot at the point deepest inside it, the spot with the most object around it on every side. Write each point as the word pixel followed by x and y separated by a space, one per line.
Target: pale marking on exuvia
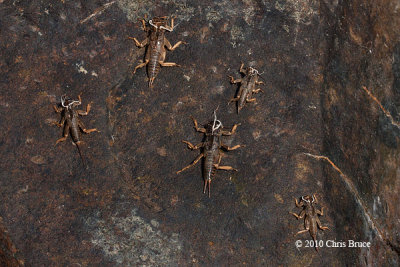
pixel 214 122
pixel 70 104
pixel 306 200
pixel 161 27
pixel 170 30
pixel 151 23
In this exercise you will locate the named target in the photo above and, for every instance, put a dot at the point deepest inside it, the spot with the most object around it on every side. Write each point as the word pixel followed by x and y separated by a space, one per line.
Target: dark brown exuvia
pixel 310 214
pixel 156 43
pixel 211 149
pixel 247 86
pixel 71 122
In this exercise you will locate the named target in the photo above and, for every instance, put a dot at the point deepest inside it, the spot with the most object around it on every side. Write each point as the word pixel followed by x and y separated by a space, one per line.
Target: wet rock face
pixel 130 207
pixel 361 132
pixel 8 252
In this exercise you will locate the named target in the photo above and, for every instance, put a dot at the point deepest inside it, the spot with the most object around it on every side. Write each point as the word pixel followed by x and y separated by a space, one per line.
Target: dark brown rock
pixel 130 207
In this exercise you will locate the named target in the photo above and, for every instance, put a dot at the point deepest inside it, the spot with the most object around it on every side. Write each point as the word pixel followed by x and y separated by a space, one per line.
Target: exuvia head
pixel 151 23
pixel 67 102
pixel 253 71
pixel 160 23
pixel 307 199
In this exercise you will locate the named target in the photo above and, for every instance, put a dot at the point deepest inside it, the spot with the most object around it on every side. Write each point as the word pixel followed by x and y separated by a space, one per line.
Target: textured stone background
pixel 130 207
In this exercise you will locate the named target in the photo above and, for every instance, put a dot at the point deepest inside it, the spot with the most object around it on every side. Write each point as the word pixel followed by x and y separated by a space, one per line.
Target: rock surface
pixel 130 208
